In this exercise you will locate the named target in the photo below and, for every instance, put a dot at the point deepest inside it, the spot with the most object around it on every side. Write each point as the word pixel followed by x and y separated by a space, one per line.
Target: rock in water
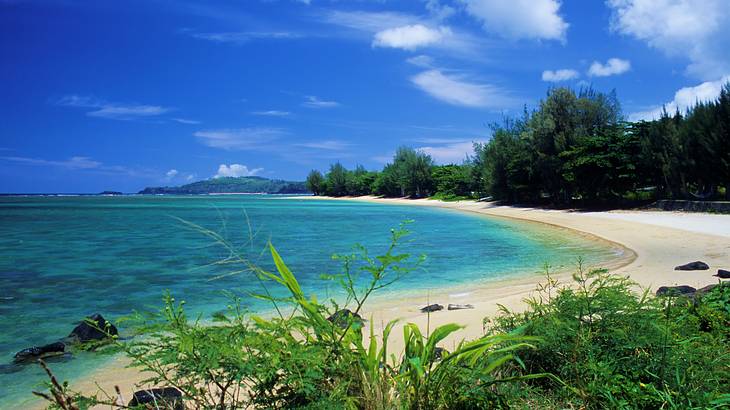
pixel 39 352
pixel 432 308
pixel 697 265
pixel 683 290
pixel 343 317
pixel 159 398
pixel 86 332
pixel 723 274
pixel 453 306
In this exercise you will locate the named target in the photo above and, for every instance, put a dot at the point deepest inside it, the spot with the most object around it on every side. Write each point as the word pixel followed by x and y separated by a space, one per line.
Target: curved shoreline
pixel 649 253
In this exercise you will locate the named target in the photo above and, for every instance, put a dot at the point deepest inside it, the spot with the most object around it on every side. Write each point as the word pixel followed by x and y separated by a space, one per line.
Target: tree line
pixel 575 147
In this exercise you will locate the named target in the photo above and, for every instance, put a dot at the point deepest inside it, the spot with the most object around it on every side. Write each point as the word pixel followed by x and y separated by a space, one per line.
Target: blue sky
pixel 123 95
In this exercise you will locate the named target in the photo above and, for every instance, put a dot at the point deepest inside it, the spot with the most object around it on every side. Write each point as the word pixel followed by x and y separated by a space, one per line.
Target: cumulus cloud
pixel 171 174
pixel 240 139
pixel 684 99
pixel 696 29
pixel 236 170
pixel 520 19
pixel 410 37
pixel 113 111
pixel 457 91
pixel 312 101
pixel 559 75
pixel 614 66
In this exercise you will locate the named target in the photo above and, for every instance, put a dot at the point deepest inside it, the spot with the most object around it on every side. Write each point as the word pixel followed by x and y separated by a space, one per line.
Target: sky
pixel 118 96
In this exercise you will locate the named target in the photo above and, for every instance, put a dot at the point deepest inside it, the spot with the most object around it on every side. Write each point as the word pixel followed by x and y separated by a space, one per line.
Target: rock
pixel 453 306
pixel 158 398
pixel 86 332
pixel 682 290
pixel 704 290
pixel 438 353
pixel 343 317
pixel 697 265
pixel 34 353
pixel 432 308
pixel 723 274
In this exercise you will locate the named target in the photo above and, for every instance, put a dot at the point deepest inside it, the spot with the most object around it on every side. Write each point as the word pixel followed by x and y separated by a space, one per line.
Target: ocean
pixel 63 258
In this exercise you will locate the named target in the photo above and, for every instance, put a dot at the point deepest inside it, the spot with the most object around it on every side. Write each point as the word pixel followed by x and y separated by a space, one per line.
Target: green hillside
pixel 232 185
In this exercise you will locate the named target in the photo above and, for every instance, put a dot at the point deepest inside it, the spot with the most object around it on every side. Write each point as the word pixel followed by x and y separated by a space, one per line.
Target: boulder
pixel 682 290
pixel 432 308
pixel 158 398
pixel 342 318
pixel 34 353
pixel 439 353
pixel 723 274
pixel 94 331
pixel 704 290
pixel 453 306
pixel 696 265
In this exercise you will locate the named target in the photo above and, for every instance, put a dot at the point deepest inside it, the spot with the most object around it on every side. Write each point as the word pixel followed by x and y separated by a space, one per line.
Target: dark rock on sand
pixel 704 290
pixel 697 265
pixel 343 317
pixel 432 308
pixel 34 353
pixel 453 306
pixel 162 398
pixel 438 353
pixel 682 290
pixel 98 329
pixel 723 274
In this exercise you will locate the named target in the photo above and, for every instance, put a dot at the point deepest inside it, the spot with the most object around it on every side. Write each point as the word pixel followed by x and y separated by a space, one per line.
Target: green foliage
pixel 299 358
pixel 619 349
pixel 315 182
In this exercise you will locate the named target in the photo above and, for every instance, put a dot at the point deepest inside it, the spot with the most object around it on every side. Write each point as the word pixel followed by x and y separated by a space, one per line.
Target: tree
pixel 315 182
pixel 337 180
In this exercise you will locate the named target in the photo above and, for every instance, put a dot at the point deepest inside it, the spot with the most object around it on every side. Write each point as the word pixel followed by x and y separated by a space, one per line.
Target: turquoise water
pixel 62 258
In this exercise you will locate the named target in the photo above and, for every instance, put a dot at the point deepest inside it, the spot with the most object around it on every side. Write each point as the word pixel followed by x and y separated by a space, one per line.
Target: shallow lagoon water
pixel 62 258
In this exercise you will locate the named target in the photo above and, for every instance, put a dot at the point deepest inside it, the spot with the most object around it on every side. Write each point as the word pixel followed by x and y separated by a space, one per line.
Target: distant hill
pixel 232 185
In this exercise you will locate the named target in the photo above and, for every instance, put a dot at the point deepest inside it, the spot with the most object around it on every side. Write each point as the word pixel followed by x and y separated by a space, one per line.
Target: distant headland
pixel 229 185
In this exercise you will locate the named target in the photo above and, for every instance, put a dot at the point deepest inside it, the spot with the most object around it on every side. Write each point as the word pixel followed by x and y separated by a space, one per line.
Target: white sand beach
pixel 652 244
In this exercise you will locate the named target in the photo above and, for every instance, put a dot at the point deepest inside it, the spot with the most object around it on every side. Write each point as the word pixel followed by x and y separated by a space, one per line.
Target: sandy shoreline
pixel 652 244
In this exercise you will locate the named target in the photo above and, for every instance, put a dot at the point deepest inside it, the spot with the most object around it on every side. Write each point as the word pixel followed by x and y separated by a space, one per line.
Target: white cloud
pixel 422 60
pixel 410 37
pixel 385 29
pixel 113 111
pixel 185 121
pixel 559 75
pixel 171 173
pixel 450 153
pixel 696 29
pixel 614 66
pixel 328 145
pixel 240 37
pixel 240 139
pixel 456 91
pixel 271 113
pixel 236 170
pixel 684 99
pixel 312 101
pixel 520 19
pixel 77 162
